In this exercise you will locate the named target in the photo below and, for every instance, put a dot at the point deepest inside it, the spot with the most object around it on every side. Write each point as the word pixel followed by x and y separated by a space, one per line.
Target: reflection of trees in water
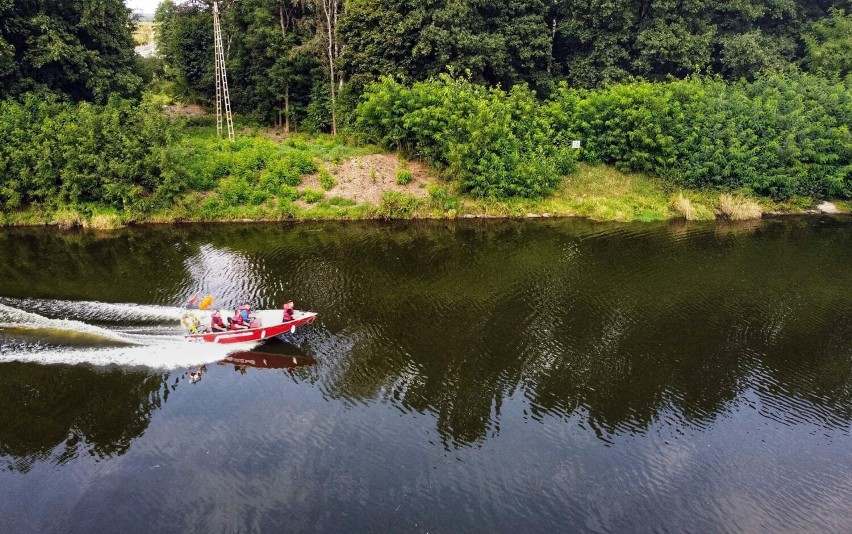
pixel 625 327
pixel 619 324
pixel 143 266
pixel 57 412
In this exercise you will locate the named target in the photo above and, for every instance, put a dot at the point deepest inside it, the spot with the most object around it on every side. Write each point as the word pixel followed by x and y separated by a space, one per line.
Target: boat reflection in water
pixel 265 360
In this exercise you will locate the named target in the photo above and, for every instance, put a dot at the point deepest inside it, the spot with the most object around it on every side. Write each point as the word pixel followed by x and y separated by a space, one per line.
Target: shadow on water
pixel 623 326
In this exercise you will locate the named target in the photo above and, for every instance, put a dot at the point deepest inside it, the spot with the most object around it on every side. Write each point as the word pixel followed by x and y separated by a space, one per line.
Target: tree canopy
pixel 79 48
pixel 299 60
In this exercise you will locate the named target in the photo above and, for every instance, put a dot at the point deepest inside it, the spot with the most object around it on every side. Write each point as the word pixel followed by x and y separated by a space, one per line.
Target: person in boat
pixel 288 312
pixel 216 322
pixel 245 311
pixel 237 321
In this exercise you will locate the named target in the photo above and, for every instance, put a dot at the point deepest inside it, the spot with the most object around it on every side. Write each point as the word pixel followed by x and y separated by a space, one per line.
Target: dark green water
pixel 533 376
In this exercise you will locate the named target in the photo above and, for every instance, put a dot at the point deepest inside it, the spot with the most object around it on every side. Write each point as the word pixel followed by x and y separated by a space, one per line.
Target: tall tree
pixel 81 48
pixel 328 16
pixel 271 60
pixel 185 42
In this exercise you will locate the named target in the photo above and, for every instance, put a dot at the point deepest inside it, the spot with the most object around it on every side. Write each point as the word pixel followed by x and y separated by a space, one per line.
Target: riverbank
pixel 268 177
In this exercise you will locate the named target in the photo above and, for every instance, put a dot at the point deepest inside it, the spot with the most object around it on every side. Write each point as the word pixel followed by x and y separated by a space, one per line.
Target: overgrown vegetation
pixel 763 108
pixel 56 154
pixel 80 49
pixel 783 135
pixel 497 144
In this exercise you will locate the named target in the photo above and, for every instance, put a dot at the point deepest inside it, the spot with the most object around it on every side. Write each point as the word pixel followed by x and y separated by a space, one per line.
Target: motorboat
pixel 264 324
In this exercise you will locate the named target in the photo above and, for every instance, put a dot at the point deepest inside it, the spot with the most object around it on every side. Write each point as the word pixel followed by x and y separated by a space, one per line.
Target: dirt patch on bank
pixel 366 178
pixel 190 111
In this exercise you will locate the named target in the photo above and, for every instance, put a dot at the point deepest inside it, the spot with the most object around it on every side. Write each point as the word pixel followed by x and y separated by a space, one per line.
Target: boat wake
pixel 97 333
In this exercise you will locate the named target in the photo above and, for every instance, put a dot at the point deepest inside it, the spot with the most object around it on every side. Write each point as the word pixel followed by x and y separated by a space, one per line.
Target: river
pixel 533 376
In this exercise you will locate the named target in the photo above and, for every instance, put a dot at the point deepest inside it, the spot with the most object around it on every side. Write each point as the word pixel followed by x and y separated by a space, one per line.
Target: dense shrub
pixel 57 153
pixel 497 144
pixel 312 196
pixel 781 135
pixel 441 198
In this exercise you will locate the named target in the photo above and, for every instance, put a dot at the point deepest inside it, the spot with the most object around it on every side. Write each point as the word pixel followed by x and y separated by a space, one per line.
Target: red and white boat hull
pixel 270 326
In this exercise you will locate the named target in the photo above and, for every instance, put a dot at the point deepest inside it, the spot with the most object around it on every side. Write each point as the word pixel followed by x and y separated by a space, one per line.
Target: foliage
pixel 404 176
pixel 79 48
pixel 442 199
pixel 396 205
pixel 312 196
pixel 497 144
pixel 59 153
pixel 829 44
pixel 185 44
pixel 326 180
pixel 274 71
pixel 497 42
pixel 782 135
pixel 586 43
pixel 279 63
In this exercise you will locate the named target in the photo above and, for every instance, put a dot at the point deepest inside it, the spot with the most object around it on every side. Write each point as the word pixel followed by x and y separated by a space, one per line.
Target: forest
pixel 750 96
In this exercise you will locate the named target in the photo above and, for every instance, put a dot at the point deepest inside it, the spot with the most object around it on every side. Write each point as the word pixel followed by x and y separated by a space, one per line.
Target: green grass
pixel 844 205
pixel 597 192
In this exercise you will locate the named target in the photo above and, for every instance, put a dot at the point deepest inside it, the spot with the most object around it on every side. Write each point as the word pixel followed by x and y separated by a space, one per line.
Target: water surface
pixel 462 376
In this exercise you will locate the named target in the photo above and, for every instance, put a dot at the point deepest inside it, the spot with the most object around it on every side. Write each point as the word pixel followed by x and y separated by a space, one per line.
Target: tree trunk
pixel 329 8
pixel 552 46
pixel 287 109
pixel 285 23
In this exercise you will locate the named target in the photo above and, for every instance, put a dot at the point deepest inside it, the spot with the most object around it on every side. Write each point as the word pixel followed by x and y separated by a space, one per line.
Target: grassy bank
pixel 265 177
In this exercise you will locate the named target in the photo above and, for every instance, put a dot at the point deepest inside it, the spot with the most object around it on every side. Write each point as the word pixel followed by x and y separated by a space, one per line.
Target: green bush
pixel 301 163
pixel 312 196
pixel 288 193
pixel 396 205
pixel 340 201
pixel 441 198
pixel 782 135
pixel 58 153
pixel 238 191
pixel 404 177
pixel 280 173
pixel 496 144
pixel 326 180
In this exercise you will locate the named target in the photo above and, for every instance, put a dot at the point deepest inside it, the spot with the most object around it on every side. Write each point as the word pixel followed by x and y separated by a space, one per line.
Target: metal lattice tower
pixel 222 93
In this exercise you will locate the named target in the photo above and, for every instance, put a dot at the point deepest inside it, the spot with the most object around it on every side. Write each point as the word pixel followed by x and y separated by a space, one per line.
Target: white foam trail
pixel 22 319
pixel 152 346
pixel 95 311
pixel 173 355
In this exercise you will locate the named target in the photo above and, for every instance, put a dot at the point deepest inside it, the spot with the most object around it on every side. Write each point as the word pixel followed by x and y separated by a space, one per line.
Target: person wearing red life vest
pixel 237 322
pixel 288 312
pixel 216 323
